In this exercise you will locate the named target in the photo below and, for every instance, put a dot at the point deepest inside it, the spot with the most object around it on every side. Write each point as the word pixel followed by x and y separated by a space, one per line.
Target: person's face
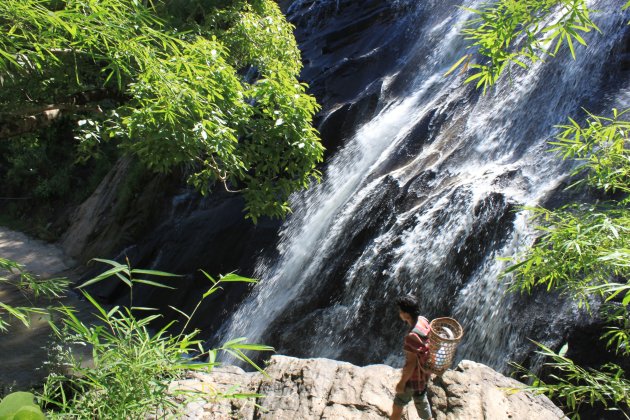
pixel 405 316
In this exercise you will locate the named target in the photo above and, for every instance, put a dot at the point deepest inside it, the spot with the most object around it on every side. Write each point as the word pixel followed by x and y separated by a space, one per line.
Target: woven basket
pixel 445 335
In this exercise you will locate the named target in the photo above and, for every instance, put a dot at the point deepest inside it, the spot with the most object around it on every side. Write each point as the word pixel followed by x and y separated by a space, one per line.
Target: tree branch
pixel 28 120
pixel 41 118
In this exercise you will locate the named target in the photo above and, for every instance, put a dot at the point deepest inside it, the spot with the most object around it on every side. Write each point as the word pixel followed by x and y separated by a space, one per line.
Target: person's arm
pixel 407 371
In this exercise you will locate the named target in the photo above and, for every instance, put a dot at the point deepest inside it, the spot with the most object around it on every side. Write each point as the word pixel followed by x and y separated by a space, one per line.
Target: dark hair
pixel 409 304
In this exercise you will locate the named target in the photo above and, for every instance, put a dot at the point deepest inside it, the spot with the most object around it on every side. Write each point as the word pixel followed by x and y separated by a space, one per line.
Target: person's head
pixel 408 309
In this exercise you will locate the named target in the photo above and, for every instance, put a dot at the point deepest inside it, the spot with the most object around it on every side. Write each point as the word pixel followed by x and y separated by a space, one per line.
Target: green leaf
pixel 474 77
pixel 109 262
pixel 94 304
pixel 210 291
pixel 564 349
pixel 212 356
pixel 29 413
pixel 570 43
pixel 112 271
pixel 143 308
pixel 456 65
pixel 154 273
pixel 231 277
pixel 152 283
pixel 112 311
pixel 18 313
pixel 209 277
pixel 20 405
pixel 184 314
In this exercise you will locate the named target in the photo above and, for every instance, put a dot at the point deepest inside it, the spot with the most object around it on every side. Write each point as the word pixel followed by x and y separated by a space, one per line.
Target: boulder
pixel 327 389
pixel 473 391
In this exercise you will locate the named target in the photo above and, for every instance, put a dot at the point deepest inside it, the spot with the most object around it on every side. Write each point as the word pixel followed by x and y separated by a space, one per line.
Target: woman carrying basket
pixel 429 348
pixel 415 376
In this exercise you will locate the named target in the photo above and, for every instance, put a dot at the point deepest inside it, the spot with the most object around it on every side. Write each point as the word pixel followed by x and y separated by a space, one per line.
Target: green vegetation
pixel 42 176
pixel 521 32
pixel 584 251
pixel 209 86
pixel 576 385
pixel 130 367
pixel 14 275
pixel 20 406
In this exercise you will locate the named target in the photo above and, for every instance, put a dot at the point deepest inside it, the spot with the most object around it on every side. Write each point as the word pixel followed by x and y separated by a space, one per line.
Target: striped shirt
pixel 417 342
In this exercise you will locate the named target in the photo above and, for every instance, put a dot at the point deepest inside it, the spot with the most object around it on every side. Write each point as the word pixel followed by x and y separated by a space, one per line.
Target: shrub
pixel 131 368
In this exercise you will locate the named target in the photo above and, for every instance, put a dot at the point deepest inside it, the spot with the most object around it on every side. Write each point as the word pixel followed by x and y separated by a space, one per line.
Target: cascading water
pixel 423 199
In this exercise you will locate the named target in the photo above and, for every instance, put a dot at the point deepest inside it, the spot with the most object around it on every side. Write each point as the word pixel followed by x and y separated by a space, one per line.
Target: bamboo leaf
pixel 184 314
pixel 231 277
pixel 152 283
pixel 154 273
pixel 112 271
pixel 456 65
pixel 94 304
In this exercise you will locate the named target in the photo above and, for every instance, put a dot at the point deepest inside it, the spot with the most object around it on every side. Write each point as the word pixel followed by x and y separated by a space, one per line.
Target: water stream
pixel 424 198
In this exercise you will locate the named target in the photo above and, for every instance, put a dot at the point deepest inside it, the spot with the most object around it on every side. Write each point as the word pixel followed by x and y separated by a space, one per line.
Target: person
pixel 414 378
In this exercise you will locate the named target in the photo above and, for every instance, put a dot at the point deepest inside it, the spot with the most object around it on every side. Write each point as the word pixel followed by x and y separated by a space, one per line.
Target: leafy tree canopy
pixel 210 85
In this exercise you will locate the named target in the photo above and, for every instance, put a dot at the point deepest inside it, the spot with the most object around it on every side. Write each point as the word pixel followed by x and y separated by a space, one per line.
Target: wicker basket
pixel 445 335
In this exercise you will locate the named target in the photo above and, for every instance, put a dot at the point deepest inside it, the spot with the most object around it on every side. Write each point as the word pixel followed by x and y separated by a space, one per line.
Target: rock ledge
pixel 328 389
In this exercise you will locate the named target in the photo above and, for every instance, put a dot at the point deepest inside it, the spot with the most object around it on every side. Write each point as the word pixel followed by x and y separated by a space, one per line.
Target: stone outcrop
pixel 327 389
pixel 126 205
pixel 474 391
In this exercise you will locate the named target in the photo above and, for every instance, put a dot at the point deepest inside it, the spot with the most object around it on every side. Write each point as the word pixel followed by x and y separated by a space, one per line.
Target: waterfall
pixel 424 198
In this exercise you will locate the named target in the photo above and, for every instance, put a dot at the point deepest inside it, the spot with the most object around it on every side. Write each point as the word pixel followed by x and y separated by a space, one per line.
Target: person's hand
pixel 400 388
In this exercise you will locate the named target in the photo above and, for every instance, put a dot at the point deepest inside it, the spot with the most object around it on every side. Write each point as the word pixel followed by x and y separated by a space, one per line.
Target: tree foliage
pixel 585 245
pixel 210 85
pixel 571 254
pixel 521 32
pixel 576 385
pixel 584 251
pixel 29 285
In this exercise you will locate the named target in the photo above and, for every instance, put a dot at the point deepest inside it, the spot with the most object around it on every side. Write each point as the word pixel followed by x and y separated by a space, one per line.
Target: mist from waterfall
pixel 431 217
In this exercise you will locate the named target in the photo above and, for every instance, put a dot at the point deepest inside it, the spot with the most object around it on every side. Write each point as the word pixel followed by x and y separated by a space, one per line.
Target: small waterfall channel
pixel 424 198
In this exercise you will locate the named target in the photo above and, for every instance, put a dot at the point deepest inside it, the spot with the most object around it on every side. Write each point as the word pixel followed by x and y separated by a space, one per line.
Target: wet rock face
pixel 166 226
pixel 187 234
pixel 346 45
pixel 347 49
pixel 112 217
pixel 327 389
pixel 319 313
